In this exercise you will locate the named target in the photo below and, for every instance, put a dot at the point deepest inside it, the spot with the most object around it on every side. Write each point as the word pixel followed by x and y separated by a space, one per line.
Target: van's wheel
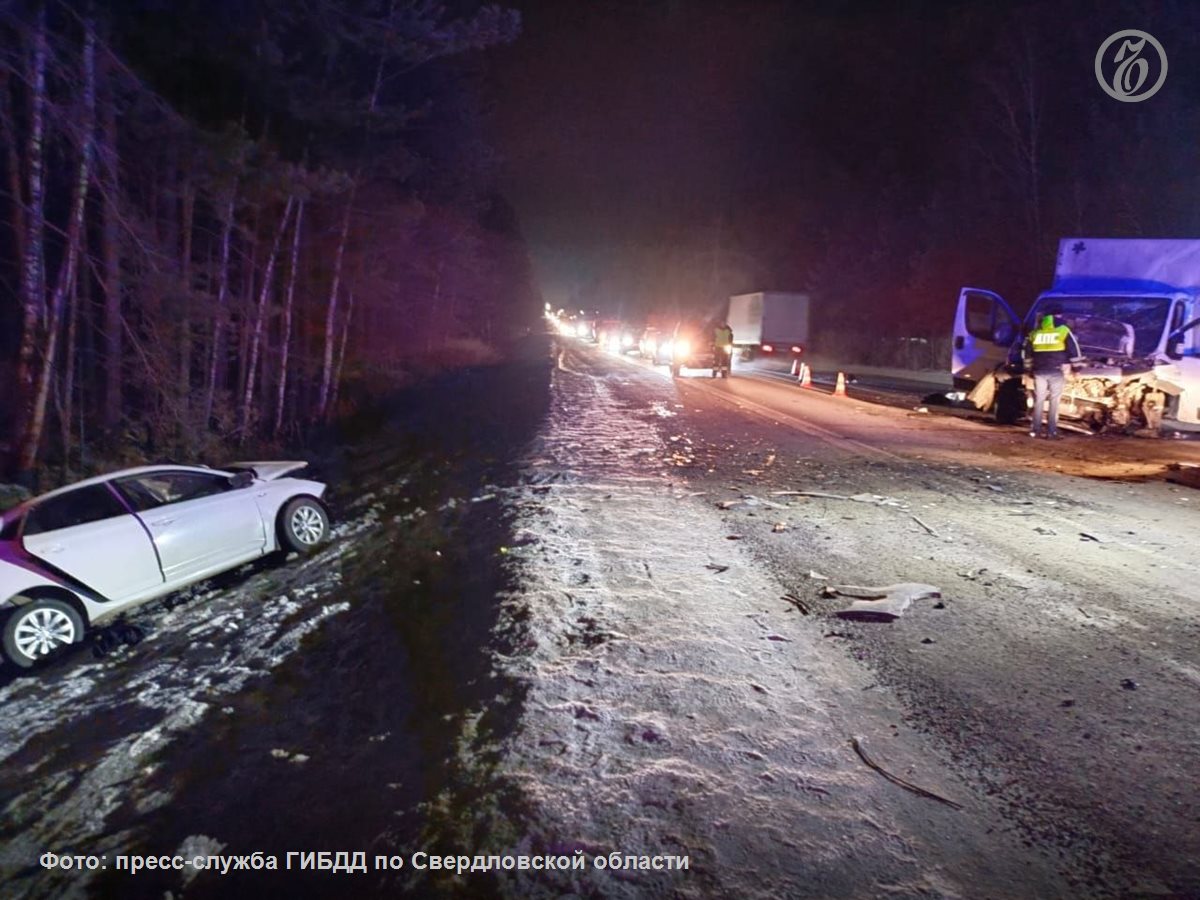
pixel 1010 401
pixel 39 629
pixel 303 525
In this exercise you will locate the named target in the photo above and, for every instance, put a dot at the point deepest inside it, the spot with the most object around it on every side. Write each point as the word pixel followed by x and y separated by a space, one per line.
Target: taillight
pixel 797 349
pixel 767 348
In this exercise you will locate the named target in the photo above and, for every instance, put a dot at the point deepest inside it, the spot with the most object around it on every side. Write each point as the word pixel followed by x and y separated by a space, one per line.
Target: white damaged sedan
pixel 81 555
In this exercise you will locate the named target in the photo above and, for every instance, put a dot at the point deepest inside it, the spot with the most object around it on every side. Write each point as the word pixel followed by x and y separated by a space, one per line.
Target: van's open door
pixel 984 330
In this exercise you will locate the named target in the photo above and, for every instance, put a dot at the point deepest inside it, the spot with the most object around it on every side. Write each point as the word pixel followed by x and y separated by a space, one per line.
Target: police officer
pixel 723 342
pixel 1052 347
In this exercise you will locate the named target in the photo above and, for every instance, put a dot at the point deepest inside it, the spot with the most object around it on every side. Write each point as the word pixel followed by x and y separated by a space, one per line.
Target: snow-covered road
pixel 676 706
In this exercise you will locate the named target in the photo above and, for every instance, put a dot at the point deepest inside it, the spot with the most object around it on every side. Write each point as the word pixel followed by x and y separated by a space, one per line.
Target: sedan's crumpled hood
pixel 270 470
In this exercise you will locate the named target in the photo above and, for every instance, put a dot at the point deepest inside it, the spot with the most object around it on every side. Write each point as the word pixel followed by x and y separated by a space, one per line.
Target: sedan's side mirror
pixel 241 480
pixel 1175 348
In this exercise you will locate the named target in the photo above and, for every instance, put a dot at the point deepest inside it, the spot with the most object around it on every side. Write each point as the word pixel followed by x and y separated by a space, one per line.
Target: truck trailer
pixel 769 323
pixel 1134 306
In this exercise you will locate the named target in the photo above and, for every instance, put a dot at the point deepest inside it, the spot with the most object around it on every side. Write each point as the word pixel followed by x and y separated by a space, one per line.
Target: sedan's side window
pixel 93 503
pixel 156 489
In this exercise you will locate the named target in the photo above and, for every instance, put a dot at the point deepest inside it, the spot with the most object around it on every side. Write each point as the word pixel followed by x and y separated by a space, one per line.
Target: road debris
pixel 797 602
pixel 857 744
pixel 1187 474
pixel 881 603
pixel 817 576
pixel 876 500
pixel 779 527
pixel 1088 536
pixel 716 568
pixel 765 502
pixel 927 527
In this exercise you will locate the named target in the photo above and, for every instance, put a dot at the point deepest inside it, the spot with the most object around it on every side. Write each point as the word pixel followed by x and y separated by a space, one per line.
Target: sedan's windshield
pixel 1110 326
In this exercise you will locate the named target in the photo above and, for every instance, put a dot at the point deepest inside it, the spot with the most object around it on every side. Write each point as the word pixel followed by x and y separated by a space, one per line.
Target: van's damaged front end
pixel 1133 307
pixel 1126 398
pixel 1133 397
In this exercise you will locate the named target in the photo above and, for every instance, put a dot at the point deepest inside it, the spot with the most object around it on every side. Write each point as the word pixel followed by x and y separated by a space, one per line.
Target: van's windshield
pixel 1109 326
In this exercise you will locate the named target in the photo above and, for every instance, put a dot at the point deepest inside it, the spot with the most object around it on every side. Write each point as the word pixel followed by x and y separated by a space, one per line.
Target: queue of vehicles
pixel 687 344
pixel 763 324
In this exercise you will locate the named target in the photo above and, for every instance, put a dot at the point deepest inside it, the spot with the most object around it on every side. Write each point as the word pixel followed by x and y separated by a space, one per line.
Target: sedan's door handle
pixel 261 494
pixel 56 548
pixel 158 523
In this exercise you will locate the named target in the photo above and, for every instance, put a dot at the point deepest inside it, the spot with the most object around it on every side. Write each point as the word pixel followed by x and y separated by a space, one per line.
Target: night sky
pixel 799 136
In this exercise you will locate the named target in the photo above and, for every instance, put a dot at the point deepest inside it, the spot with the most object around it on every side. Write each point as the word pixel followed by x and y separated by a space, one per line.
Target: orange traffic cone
pixel 805 376
pixel 839 389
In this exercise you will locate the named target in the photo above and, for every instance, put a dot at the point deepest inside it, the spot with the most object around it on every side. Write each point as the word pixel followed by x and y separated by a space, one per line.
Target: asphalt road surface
pixel 1051 690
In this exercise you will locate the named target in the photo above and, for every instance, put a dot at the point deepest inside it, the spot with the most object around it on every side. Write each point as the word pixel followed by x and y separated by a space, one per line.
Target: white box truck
pixel 1134 306
pixel 769 323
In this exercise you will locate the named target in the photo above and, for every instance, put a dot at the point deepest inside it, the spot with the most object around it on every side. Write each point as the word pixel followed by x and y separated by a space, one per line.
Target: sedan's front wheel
pixel 303 525
pixel 39 628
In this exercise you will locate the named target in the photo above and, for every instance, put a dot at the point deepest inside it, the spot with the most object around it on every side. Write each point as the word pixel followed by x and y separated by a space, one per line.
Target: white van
pixel 1133 304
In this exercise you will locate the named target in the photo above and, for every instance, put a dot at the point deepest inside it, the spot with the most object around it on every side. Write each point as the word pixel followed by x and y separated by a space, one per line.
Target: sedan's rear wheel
pixel 38 629
pixel 303 525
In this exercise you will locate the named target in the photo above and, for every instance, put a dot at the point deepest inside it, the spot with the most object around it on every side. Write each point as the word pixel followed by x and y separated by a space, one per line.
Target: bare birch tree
pixel 260 317
pixel 68 269
pixel 288 306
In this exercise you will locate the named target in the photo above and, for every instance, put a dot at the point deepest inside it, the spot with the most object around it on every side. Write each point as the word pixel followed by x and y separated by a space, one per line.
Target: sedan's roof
pixel 102 479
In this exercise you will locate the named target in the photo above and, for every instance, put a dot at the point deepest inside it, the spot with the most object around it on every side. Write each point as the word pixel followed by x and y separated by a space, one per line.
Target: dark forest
pixel 222 221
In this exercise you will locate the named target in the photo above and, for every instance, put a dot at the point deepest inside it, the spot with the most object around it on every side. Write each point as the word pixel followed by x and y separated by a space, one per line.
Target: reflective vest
pixel 1050 340
pixel 723 337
